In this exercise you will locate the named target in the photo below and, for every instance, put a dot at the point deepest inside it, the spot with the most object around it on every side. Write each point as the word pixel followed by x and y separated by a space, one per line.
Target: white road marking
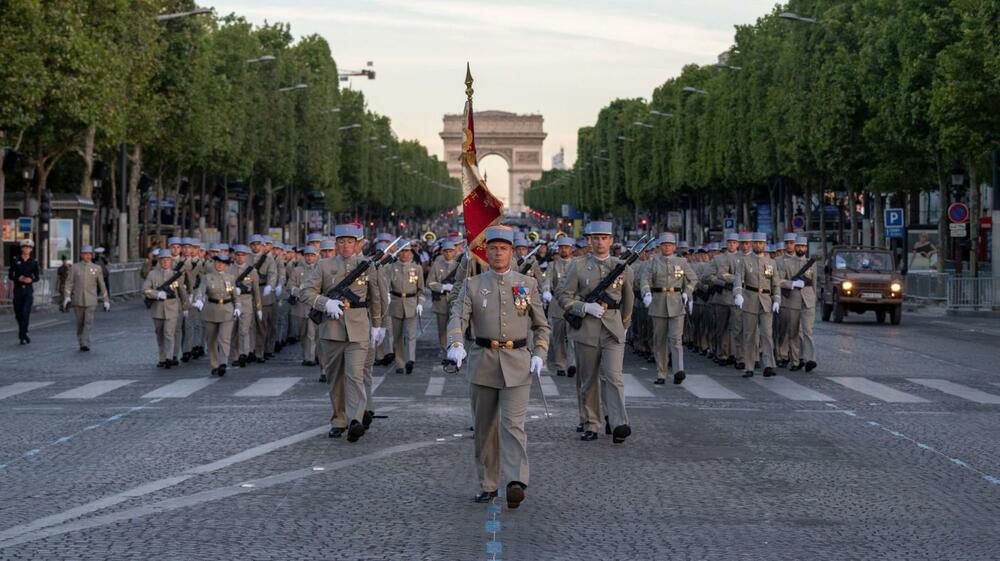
pixel 634 388
pixel 181 388
pixel 957 390
pixel 789 389
pixel 38 325
pixel 548 386
pixel 21 387
pixel 376 382
pixel 93 389
pixel 435 386
pixel 706 388
pixel 876 390
pixel 268 387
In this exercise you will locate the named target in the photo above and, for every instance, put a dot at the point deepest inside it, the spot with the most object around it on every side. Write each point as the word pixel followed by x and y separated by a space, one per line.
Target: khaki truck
pixel 861 279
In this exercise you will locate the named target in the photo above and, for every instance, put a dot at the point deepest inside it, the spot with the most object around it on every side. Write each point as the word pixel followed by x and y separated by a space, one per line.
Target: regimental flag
pixel 480 208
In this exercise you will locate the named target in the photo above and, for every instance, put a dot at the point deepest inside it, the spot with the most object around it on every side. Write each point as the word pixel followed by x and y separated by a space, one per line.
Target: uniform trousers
pixel 165 332
pixel 562 352
pixel 217 339
pixel 500 441
pixel 263 327
pixel 344 365
pixel 720 330
pixel 668 334
pixel 84 323
pixel 404 340
pixel 307 337
pixel 757 338
pixel 600 371
pixel 442 327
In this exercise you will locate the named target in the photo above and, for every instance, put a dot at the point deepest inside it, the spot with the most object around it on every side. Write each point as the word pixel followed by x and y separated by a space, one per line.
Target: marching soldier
pixel 781 331
pixel 216 299
pixel 441 281
pixel 562 352
pixel 600 340
pixel 279 331
pixel 168 295
pixel 723 272
pixel 798 297
pixel 667 287
pixel 505 309
pixel 249 298
pixel 406 306
pixel 193 333
pixel 344 336
pixel 300 308
pixel 755 289
pixel 267 270
pixel 327 249
pixel 84 284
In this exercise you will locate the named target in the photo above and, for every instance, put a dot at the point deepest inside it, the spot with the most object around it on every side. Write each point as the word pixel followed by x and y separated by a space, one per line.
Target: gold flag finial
pixel 468 81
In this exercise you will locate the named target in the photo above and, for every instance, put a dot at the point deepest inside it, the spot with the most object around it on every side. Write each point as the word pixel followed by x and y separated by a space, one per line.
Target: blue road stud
pixel 492 526
pixel 493 547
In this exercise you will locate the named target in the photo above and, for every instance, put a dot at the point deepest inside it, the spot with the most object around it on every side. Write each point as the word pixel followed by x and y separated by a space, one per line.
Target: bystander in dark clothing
pixel 24 273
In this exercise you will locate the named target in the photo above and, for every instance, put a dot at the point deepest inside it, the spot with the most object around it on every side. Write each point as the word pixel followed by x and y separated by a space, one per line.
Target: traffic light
pixel 45 210
pixel 644 223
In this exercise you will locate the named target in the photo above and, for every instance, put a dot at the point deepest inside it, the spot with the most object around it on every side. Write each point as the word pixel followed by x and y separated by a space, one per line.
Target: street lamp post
pixel 660 114
pixel 642 125
pixel 691 89
pixel 262 58
pixel 293 88
pixel 796 17
pixel 178 15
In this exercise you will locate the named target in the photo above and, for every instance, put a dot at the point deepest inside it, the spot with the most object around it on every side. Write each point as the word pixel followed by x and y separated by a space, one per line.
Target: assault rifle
pixel 599 293
pixel 165 286
pixel 786 292
pixel 342 290
pixel 522 262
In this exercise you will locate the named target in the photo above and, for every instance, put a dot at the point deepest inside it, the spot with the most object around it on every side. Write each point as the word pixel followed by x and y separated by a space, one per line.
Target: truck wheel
pixel 827 310
pixel 880 316
pixel 897 314
pixel 839 311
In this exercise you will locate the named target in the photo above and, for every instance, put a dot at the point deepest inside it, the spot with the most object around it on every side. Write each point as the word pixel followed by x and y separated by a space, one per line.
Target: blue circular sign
pixel 958 213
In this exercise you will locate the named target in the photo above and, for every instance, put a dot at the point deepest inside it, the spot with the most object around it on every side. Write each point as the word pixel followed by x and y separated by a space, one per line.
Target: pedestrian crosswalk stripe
pixel 957 390
pixel 548 386
pixel 181 388
pixel 789 389
pixel 634 388
pixel 376 382
pixel 268 387
pixel 876 390
pixel 435 386
pixel 21 387
pixel 706 388
pixel 93 389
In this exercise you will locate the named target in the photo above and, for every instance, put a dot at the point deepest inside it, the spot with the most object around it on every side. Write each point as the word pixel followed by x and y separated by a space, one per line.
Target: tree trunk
pixel 267 204
pixel 159 206
pixel 943 245
pixel 789 211
pixel 251 208
pixel 973 219
pixel 822 217
pixel 852 209
pixel 86 183
pixel 807 206
pixel 204 206
pixel 177 231
pixel 879 240
pixel 113 186
pixel 135 172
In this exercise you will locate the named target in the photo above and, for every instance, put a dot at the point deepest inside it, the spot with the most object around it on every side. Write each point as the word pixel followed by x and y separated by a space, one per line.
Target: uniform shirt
pixel 584 274
pixel 218 291
pixel 249 298
pixel 440 270
pixel 500 307
pixel 532 269
pixel 406 288
pixel 797 298
pixel 666 278
pixel 83 283
pixel 23 268
pixel 175 303
pixel 755 274
pixel 557 273
pixel 295 280
pixel 355 324
pixel 268 271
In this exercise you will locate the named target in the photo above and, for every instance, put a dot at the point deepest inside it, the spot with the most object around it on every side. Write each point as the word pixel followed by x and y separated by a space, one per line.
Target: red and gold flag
pixel 480 208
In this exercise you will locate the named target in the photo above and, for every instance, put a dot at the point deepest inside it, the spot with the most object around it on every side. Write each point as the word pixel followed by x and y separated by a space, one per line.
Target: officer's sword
pixel 545 402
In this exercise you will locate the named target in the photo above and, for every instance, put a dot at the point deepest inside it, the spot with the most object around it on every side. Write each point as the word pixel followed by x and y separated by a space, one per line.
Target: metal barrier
pixel 927 286
pixel 972 293
pixel 125 280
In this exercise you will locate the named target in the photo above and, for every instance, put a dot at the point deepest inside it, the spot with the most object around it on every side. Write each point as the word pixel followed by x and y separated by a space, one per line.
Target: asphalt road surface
pixel 889 450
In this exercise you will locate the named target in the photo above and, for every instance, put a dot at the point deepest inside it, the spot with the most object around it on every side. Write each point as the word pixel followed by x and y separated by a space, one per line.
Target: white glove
pixel 190 298
pixel 798 284
pixel 594 309
pixel 267 289
pixel 690 307
pixel 775 307
pixel 184 313
pixel 457 355
pixel 536 365
pixel 738 300
pixel 382 332
pixel 647 299
pixel 420 309
pixel 278 290
pixel 107 306
pixel 546 297
pixel 200 304
pixel 684 297
pixel 237 313
pixel 388 298
pixel 377 334
pixel 237 291
pixel 335 308
pixel 161 295
pixel 66 302
pixel 447 287
pixel 260 315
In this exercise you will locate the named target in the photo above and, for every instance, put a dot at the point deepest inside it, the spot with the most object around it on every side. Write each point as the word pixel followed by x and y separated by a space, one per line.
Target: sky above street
pixel 564 60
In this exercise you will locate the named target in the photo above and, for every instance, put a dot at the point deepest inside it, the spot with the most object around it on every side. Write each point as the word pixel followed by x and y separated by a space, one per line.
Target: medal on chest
pixel 678 272
pixel 768 270
pixel 521 299
pixel 412 275
pixel 485 292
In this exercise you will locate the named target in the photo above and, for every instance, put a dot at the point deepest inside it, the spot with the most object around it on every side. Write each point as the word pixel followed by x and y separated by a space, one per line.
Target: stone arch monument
pixel 515 138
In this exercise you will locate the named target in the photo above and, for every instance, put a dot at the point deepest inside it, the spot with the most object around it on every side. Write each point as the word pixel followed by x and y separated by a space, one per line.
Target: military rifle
pixel 341 291
pixel 165 287
pixel 599 293
pixel 522 262
pixel 786 292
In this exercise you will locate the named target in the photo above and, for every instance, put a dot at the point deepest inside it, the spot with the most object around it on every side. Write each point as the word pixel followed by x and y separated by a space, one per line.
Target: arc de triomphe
pixel 515 138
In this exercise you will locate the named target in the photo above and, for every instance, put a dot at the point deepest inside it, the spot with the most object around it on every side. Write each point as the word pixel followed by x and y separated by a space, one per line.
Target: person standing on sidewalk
pixel 24 274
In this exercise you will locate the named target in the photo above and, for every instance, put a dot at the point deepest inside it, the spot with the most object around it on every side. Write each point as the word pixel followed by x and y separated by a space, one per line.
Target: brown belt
pixel 219 301
pixel 402 295
pixel 755 289
pixel 662 289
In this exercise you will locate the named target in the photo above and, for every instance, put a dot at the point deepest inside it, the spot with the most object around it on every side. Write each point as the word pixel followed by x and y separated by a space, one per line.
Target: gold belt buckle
pixel 494 344
pixel 220 301
pixel 347 304
pixel 604 305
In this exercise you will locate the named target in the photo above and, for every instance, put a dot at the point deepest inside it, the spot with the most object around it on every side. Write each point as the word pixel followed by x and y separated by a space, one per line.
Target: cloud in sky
pixel 564 60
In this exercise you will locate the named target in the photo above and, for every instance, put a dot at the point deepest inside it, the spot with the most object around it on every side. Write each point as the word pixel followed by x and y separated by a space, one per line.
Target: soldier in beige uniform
pixel 250 302
pixel 300 309
pixel 84 284
pixel 600 340
pixel 267 269
pixel 406 306
pixel 216 298
pixel 781 332
pixel 505 309
pixel 345 335
pixel 798 297
pixel 563 357
pixel 441 282
pixel 168 296
pixel 755 289
pixel 723 272
pixel 667 288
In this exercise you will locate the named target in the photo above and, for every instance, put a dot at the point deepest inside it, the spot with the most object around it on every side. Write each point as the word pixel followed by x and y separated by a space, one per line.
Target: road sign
pixel 25 224
pixel 798 222
pixel 729 223
pixel 957 230
pixel 958 213
pixel 893 217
